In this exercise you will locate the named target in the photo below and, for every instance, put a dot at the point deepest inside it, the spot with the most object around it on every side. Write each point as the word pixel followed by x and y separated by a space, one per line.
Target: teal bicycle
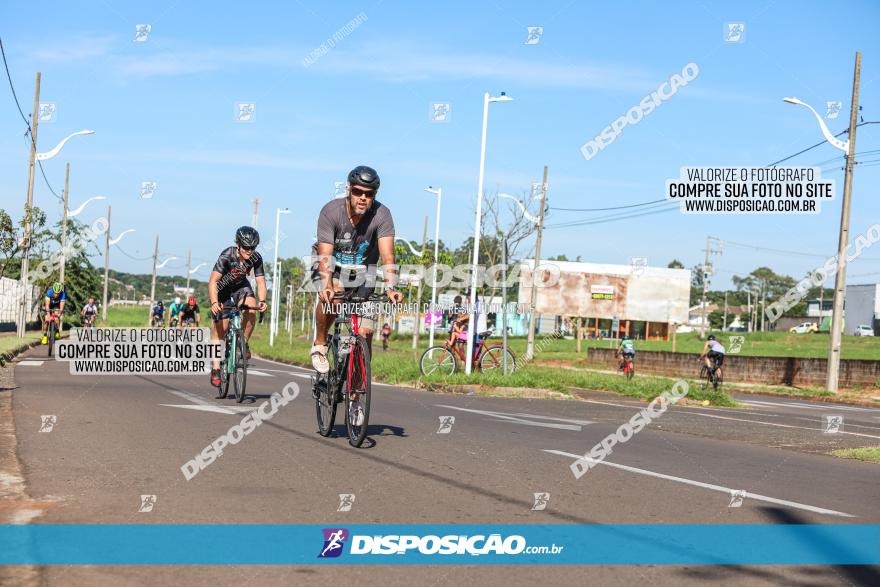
pixel 234 365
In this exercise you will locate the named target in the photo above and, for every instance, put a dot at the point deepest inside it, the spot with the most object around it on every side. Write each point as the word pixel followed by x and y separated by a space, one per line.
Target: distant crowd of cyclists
pixel 176 315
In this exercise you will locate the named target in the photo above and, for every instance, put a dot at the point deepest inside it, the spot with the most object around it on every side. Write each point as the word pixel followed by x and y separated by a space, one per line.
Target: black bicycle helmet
pixel 711 337
pixel 247 237
pixel 364 176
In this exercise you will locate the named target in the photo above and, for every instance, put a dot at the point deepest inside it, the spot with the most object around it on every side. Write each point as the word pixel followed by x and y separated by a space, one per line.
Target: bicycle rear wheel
pixel 437 359
pixel 357 413
pixel 223 390
pixel 239 376
pixel 630 369
pixel 325 395
pixel 493 358
pixel 716 380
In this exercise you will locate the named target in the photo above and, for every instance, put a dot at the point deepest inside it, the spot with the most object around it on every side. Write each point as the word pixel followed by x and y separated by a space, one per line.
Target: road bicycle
pixel 53 319
pixel 443 359
pixel 710 377
pixel 348 379
pixel 234 365
pixel 188 323
pixel 628 367
pixel 88 321
pixel 157 322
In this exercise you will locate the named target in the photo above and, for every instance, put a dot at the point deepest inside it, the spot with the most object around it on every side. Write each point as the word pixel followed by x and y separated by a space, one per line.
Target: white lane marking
pixel 215 409
pixel 630 405
pixel 30 363
pixel 508 417
pixel 816 428
pixel 308 373
pixel 824 407
pixel 258 373
pixel 210 406
pixel 726 490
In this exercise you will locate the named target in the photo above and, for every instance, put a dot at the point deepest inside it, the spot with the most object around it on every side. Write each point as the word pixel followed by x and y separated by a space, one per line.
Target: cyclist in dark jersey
pixel 190 312
pixel 228 287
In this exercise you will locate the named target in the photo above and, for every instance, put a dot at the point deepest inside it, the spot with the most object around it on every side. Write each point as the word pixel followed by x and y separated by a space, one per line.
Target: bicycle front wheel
pixel 51 339
pixel 493 358
pixel 705 380
pixel 437 359
pixel 325 395
pixel 239 375
pixel 630 370
pixel 358 391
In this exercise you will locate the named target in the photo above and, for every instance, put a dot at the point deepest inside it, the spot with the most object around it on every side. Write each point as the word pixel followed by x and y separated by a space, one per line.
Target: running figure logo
pixel 147 503
pixel 148 188
pixel 833 424
pixel 334 540
pixel 47 112
pixel 440 112
pixel 446 423
pixel 541 501
pixel 534 35
pixel 734 32
pixel 833 108
pixel 142 32
pixel 346 500
pixel 736 498
pixel 736 344
pixel 47 423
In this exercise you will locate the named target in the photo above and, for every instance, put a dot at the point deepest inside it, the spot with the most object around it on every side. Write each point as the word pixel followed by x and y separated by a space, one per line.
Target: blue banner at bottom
pixel 165 544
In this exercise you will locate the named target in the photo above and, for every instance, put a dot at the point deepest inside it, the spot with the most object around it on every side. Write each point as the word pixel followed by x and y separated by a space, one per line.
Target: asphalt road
pixel 116 438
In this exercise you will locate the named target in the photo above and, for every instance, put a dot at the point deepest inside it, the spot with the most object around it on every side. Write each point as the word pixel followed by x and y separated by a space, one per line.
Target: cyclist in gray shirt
pixel 355 230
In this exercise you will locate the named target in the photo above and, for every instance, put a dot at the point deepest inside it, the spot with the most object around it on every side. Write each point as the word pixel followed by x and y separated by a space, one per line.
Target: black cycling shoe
pixel 215 377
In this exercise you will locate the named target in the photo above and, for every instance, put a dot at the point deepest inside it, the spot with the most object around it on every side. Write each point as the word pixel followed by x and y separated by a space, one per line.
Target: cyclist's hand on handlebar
pixel 395 297
pixel 327 294
pixel 216 308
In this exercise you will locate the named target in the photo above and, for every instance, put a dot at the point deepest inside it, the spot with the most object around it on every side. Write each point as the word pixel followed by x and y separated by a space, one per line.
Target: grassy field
pixel 10 343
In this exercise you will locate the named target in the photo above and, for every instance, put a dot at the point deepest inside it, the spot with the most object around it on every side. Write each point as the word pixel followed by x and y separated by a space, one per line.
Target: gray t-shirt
pixel 353 244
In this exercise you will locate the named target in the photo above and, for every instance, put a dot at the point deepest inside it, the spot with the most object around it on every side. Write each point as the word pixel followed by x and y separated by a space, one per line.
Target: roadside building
pixel 862 307
pixel 608 300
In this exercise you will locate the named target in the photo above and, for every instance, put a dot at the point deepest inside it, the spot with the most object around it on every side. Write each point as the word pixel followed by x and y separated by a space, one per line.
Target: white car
pixel 863 330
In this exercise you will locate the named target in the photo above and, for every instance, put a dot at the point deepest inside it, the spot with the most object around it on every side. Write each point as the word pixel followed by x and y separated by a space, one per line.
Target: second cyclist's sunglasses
pixel 359 191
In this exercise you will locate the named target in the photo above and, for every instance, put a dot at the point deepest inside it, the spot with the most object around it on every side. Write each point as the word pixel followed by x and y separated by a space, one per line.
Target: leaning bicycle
pixel 443 359
pixel 234 366
pixel 349 378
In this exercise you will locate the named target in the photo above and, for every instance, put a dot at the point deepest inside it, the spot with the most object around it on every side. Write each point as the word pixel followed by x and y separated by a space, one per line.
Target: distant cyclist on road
pixel 228 288
pixel 626 347
pixel 89 312
pixel 157 314
pixel 355 230
pixel 54 299
pixel 190 313
pixel 713 350
pixel 174 311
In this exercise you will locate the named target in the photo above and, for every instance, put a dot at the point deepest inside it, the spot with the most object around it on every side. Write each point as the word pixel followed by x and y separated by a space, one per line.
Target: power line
pixel 801 152
pixel 23 117
pixel 604 209
pixel 613 217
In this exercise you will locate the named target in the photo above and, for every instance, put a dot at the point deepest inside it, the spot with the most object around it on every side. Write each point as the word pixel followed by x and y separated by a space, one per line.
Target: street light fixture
pixel 439 193
pixel 408 244
pixel 273 321
pixel 119 238
pixel 487 99
pixel 76 212
pixel 165 262
pixel 835 142
pixel 57 149
pixel 526 214
pixel 196 268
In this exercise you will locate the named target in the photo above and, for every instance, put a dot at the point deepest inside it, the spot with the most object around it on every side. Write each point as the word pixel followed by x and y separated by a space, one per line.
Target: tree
pixel 12 238
pixel 675 264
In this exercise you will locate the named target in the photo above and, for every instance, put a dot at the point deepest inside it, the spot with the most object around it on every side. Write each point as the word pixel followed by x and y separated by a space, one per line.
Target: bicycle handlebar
pixel 349 296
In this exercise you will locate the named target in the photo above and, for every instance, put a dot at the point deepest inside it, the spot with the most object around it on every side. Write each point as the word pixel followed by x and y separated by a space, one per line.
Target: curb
pixel 7 357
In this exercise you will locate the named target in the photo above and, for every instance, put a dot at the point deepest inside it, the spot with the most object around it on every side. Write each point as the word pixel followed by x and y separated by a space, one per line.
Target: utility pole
pixel 188 263
pixel 833 373
pixel 530 344
pixel 724 327
pixel 707 270
pixel 153 283
pixel 64 223
pixel 763 301
pixel 26 238
pixel 415 338
pixel 256 210
pixel 106 267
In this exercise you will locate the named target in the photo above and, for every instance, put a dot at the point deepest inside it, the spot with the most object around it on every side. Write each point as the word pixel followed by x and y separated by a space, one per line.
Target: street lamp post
pixel 273 322
pixel 487 99
pixel 832 376
pixel 439 193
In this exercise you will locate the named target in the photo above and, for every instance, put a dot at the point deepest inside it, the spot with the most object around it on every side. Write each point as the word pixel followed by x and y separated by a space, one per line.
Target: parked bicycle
pixel 709 377
pixel 443 359
pixel 234 365
pixel 349 378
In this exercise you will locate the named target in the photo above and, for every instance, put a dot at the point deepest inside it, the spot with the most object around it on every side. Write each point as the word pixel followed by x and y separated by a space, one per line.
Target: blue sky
pixel 163 111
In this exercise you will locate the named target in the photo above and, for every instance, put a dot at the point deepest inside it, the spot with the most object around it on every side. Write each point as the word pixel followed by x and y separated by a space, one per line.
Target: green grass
pixel 868 453
pixel 10 344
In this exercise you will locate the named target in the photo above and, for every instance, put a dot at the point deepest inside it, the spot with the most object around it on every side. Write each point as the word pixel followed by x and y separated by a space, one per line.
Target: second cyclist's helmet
pixel 711 337
pixel 247 237
pixel 364 176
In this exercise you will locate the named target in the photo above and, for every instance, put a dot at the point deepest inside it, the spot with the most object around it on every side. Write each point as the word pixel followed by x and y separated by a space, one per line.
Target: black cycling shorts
pixel 717 357
pixel 232 298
